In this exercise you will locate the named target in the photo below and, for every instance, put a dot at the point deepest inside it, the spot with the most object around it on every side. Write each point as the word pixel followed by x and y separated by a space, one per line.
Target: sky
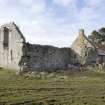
pixel 53 22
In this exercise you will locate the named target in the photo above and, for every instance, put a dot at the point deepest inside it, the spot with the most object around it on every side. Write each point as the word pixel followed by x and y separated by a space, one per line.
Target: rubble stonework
pixel 41 57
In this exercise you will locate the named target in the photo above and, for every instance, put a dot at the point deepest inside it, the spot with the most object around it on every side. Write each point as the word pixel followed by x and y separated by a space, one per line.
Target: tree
pixel 102 32
pixel 95 37
pixel 98 37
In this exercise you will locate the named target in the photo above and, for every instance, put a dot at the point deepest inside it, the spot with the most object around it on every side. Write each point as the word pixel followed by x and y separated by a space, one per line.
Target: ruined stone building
pixel 11 45
pixel 16 54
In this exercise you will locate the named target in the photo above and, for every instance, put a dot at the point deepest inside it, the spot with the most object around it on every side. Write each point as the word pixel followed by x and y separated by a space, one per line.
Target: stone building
pixel 11 46
pixel 16 54
pixel 85 50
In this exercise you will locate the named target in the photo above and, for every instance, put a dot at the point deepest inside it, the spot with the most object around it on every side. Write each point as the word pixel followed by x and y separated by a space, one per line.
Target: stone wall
pixel 39 57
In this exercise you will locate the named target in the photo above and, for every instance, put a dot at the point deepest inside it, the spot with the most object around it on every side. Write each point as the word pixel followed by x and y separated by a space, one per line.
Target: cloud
pixel 93 10
pixel 69 5
pixel 38 8
pixel 34 6
pixel 64 2
pixel 54 22
pixel 44 33
pixel 94 2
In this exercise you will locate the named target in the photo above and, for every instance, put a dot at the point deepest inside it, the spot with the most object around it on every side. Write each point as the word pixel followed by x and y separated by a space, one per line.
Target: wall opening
pixel 6 37
pixel 11 55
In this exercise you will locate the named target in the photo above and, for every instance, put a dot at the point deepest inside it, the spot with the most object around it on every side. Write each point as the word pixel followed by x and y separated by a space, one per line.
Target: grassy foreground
pixel 87 88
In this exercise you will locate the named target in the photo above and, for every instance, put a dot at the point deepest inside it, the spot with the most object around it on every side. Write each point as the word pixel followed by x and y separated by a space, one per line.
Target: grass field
pixel 86 88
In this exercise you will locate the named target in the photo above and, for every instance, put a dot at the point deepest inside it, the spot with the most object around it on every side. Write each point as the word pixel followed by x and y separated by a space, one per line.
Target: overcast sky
pixel 53 22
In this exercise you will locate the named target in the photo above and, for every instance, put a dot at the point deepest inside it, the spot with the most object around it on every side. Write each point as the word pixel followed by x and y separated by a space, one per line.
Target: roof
pixel 100 49
pixel 80 43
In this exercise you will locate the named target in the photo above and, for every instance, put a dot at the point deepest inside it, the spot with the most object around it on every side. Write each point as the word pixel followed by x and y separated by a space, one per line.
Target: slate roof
pixel 100 49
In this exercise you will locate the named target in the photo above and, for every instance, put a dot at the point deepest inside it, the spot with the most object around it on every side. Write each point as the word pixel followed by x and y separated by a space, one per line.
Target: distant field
pixel 87 88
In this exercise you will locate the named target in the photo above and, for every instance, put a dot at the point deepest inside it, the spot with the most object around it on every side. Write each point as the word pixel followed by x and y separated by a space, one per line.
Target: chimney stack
pixel 81 32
